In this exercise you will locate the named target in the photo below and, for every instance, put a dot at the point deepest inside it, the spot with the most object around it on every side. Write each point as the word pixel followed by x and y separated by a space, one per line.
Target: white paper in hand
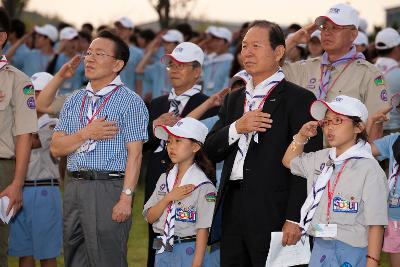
pixel 280 256
pixel 3 210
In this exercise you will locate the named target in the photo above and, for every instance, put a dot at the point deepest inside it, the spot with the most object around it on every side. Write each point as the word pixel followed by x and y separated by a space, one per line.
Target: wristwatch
pixel 127 191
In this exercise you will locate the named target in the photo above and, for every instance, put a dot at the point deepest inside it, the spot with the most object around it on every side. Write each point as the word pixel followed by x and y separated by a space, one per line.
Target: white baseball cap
pixel 363 24
pixel 40 80
pixel 173 36
pixel 343 105
pixel 125 22
pixel 316 34
pixel 387 38
pixel 221 32
pixel 340 14
pixel 362 39
pixel 47 30
pixel 68 33
pixel 184 53
pixel 184 128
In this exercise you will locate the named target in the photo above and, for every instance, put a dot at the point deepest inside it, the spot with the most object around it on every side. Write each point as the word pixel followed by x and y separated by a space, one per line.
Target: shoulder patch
pixel 379 80
pixel 31 102
pixel 28 90
pixel 210 197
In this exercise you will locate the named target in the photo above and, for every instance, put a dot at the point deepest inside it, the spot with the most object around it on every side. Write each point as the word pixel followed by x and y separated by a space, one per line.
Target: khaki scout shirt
pixel 17 110
pixel 362 181
pixel 360 80
pixel 200 204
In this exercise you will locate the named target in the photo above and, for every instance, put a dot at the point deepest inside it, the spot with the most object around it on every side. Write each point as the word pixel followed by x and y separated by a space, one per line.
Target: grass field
pixel 137 245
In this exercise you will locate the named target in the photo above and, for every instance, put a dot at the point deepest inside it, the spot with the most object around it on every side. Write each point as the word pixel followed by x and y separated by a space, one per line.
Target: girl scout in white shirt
pixel 347 188
pixel 182 205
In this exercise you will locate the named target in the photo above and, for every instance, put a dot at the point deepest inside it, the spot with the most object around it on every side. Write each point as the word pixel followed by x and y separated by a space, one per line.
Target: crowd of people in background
pixel 221 125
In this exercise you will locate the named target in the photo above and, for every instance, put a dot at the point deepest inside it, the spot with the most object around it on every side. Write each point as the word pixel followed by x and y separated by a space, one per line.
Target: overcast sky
pixel 280 11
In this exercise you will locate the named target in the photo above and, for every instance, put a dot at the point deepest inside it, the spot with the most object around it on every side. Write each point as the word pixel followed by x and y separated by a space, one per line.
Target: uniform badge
pixel 28 90
pixel 342 205
pixel 210 197
pixel 31 102
pixel 311 83
pixel 161 191
pixel 379 80
pixel 394 200
pixel 185 214
pixel 384 96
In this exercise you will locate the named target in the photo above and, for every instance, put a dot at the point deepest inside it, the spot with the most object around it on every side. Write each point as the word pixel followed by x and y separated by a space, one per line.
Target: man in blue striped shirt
pixel 102 129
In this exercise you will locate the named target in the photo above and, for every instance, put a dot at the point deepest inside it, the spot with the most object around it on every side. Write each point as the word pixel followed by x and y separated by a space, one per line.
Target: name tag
pixel 185 214
pixel 325 230
pixel 394 201
pixel 343 205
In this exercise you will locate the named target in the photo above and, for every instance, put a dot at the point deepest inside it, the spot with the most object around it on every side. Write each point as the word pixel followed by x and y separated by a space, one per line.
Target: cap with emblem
pixel 340 14
pixel 343 105
pixel 185 128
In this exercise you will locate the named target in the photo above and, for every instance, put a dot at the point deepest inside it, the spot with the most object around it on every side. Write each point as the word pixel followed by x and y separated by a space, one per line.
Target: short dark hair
pixel 275 33
pixel 85 35
pixel 186 30
pixel 18 26
pixel 147 34
pixel 121 49
pixel 4 22
pixel 356 122
pixel 89 26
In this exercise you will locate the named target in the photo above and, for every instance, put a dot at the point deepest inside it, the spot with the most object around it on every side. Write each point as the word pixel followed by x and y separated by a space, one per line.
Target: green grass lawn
pixel 137 244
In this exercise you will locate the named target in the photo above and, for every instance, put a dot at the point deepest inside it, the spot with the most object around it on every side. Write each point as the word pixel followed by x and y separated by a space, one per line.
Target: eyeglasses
pixel 96 55
pixel 178 66
pixel 334 28
pixel 334 121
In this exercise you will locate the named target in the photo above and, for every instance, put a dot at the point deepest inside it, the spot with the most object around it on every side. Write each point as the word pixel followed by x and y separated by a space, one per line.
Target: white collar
pixel 360 150
pixel 261 89
pixel 105 90
pixel 194 175
pixel 3 61
pixel 188 93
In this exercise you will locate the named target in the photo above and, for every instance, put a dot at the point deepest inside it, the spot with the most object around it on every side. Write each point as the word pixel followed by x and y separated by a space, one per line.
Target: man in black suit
pixel 184 70
pixel 257 194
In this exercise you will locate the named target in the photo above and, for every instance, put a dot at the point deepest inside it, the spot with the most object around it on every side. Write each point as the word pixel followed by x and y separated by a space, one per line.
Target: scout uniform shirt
pixel 17 110
pixel 192 213
pixel 359 200
pixel 360 80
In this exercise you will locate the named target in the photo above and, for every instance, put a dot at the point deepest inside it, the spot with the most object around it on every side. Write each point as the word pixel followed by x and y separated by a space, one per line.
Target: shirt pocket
pixel 7 90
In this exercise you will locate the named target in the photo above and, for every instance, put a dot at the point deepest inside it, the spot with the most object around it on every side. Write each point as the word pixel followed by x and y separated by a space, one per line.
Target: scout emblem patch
pixel 394 200
pixel 185 214
pixel 379 80
pixel 31 102
pixel 28 90
pixel 384 96
pixel 210 197
pixel 342 205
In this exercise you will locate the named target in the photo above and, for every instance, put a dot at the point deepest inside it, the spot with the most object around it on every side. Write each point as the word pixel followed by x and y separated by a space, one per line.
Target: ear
pixel 354 34
pixel 195 147
pixel 359 128
pixel 279 53
pixel 198 72
pixel 118 65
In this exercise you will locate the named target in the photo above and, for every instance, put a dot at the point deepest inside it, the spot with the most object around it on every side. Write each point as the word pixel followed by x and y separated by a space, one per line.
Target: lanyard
pixel 263 100
pixel 98 110
pixel 395 177
pixel 331 193
pixel 333 83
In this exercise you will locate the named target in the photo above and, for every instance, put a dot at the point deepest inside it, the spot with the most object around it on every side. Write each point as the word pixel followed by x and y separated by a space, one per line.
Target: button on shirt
pixel 125 108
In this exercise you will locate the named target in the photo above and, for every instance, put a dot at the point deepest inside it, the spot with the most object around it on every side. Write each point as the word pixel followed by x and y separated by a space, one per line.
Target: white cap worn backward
pixel 40 80
pixel 340 14
pixel 68 33
pixel 185 128
pixel 387 38
pixel 173 36
pixel 343 105
pixel 48 30
pixel 184 53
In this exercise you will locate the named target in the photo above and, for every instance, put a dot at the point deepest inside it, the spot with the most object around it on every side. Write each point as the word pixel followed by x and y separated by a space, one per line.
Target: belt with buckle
pixel 44 182
pixel 157 242
pixel 97 175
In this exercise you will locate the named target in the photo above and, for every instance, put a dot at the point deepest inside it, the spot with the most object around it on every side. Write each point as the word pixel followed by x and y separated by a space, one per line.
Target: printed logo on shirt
pixel 311 83
pixel 379 80
pixel 31 102
pixel 161 191
pixel 185 214
pixel 342 205
pixel 384 96
pixel 210 197
pixel 28 90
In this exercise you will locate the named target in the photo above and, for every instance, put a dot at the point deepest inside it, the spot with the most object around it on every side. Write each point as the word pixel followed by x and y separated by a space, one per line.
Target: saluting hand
pixel 303 35
pixel 180 192
pixel 100 129
pixel 308 130
pixel 380 116
pixel 255 120
pixel 216 99
pixel 168 119
pixel 68 69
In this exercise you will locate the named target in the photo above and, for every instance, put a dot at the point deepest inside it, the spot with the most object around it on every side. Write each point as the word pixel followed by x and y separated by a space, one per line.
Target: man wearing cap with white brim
pixel 124 29
pixel 38 58
pixel 257 195
pixel 155 80
pixel 36 231
pixel 68 49
pixel 216 68
pixel 314 45
pixel 184 69
pixel 341 69
pixel 387 44
pixel 361 42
